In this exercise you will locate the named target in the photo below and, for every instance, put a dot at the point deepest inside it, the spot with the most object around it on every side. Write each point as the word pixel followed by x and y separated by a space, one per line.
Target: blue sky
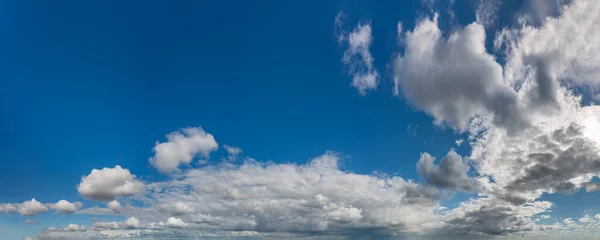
pixel 92 85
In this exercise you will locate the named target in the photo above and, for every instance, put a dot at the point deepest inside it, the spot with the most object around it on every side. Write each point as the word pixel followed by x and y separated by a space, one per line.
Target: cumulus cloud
pixel 29 221
pixel 454 79
pixel 357 58
pixel 32 207
pixel 176 223
pixel 451 172
pixel 105 225
pixel 132 222
pixel 108 183
pixel 486 12
pixel 114 205
pixel 562 49
pixel 177 208
pixel 64 206
pixel 314 197
pixel 181 147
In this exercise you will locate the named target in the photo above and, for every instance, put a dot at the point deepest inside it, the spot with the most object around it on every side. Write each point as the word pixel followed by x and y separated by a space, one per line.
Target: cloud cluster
pixel 529 133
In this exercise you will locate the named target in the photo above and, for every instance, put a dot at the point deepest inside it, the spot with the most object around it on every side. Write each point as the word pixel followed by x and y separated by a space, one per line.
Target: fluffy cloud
pixel 176 223
pixel 177 208
pixel 32 207
pixel 108 183
pixel 454 79
pixel 69 228
pixel 8 208
pixel 131 222
pixel 64 206
pixel 114 205
pixel 181 148
pixel 314 197
pixel 562 49
pixel 29 221
pixel 357 57
pixel 451 172
pixel 105 225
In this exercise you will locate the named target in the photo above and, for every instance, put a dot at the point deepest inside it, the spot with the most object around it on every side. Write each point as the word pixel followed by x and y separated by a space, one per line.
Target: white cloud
pixel 64 206
pixel 586 219
pixel 181 148
pixel 114 205
pixel 131 222
pixel 562 49
pixel 176 223
pixel 8 208
pixel 32 207
pixel 29 221
pixel 357 58
pixel 108 183
pixel 69 228
pixel 177 208
pixel 454 80
pixel 105 225
pixel 233 152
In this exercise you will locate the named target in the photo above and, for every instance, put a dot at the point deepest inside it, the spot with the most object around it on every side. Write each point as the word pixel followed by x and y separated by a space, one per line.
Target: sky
pixel 467 119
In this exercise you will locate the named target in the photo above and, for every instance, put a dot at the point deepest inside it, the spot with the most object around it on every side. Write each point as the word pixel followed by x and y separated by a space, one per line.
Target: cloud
pixel 454 80
pixel 109 183
pixel 451 172
pixel 177 208
pixel 181 147
pixel 131 222
pixel 32 207
pixel 114 205
pixel 8 208
pixel 486 12
pixel 357 58
pixel 491 217
pixel 29 221
pixel 105 225
pixel 562 49
pixel 233 152
pixel 69 228
pixel 64 206
pixel 176 223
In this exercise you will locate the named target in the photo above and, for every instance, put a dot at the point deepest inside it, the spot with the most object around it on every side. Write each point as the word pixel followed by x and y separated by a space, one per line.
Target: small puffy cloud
pixel 181 147
pixel 176 223
pixel 29 221
pixel 32 207
pixel 8 208
pixel 114 205
pixel 357 58
pixel 105 225
pixel 64 206
pixel 232 152
pixel 108 183
pixel 131 222
pixel 450 173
